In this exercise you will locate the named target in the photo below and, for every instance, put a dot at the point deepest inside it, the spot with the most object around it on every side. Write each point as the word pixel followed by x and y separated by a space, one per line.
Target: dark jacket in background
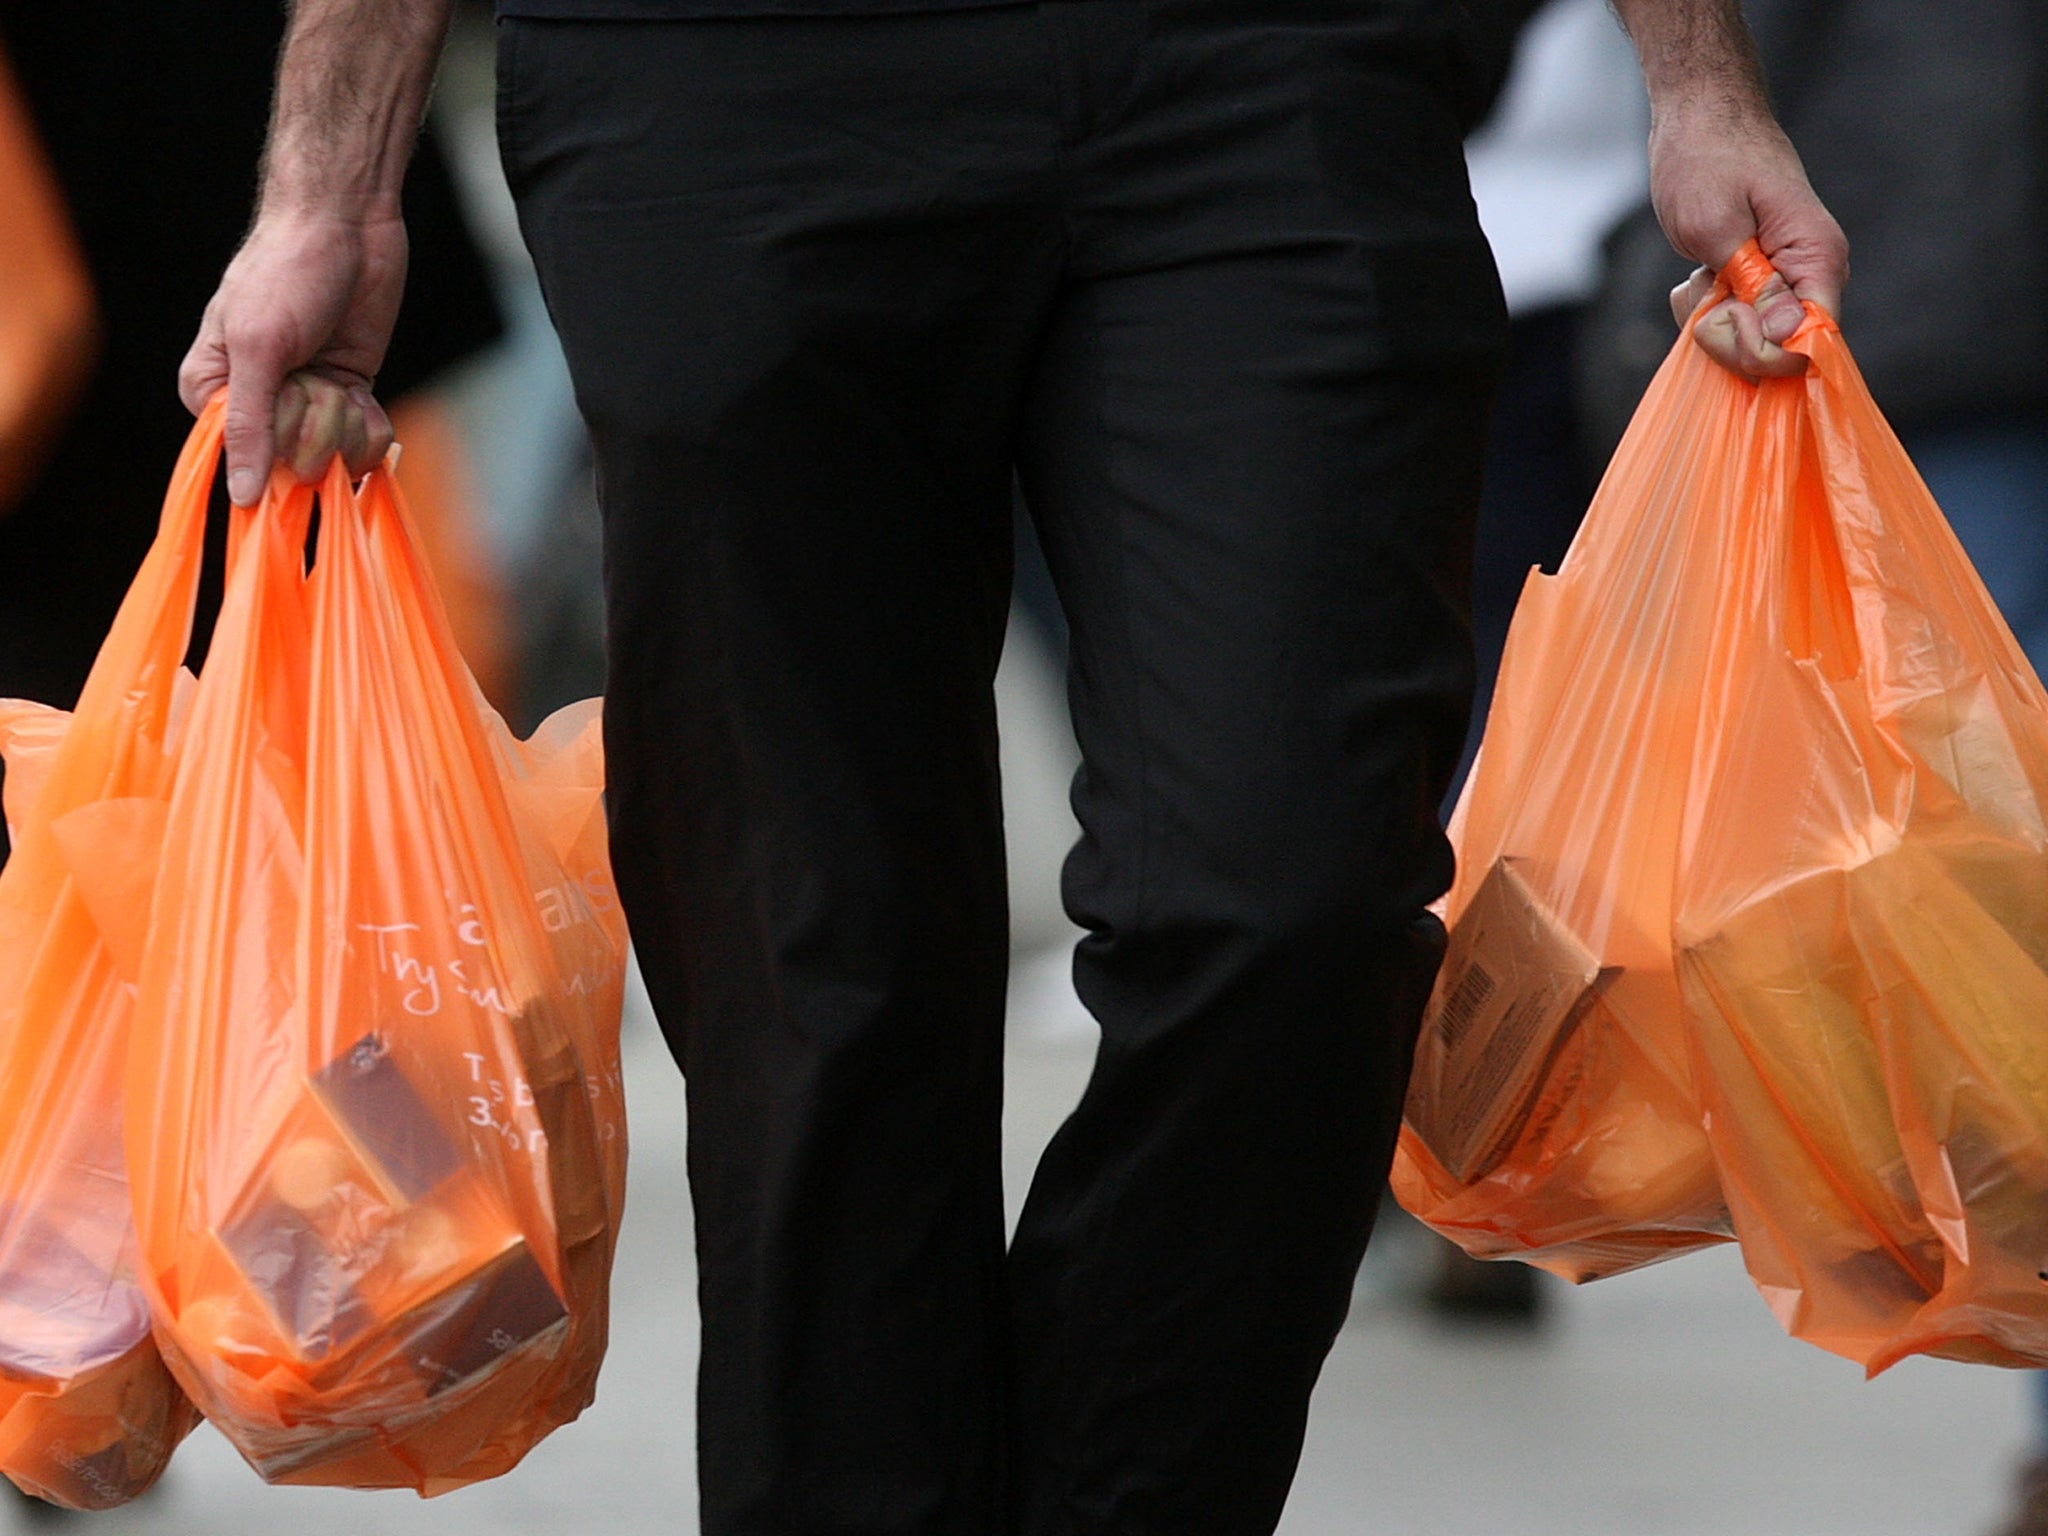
pixel 1924 127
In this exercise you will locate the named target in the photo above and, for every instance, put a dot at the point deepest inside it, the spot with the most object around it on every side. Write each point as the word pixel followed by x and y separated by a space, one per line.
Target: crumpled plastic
pixel 375 1124
pixel 89 1416
pixel 1761 826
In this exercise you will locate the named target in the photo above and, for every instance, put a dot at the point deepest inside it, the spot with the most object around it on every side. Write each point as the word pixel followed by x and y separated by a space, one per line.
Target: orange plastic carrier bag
pixel 1765 742
pixel 1864 931
pixel 1552 1114
pixel 376 1129
pixel 88 1414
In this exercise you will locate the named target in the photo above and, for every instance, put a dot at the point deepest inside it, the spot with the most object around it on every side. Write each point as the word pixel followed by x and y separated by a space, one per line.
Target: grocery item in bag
pixel 1576 805
pixel 378 1190
pixel 1849 926
pixel 1864 933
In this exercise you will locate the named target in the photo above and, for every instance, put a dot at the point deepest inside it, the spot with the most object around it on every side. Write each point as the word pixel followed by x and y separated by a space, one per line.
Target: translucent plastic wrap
pixel 376 1126
pixel 88 1414
pixel 1864 927
pixel 1580 1148
pixel 1755 890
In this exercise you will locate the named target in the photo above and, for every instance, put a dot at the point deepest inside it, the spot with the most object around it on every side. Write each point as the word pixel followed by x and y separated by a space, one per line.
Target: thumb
pixel 250 425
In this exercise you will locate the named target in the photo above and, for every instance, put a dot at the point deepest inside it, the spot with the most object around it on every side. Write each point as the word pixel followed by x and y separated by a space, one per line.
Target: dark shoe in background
pixel 1468 1292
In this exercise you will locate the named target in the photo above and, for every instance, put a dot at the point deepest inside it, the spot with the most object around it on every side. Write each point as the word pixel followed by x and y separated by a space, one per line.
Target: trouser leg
pixel 1253 432
pixel 1253 450
pixel 797 302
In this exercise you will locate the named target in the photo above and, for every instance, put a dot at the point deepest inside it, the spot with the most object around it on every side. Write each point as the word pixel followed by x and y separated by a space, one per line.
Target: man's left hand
pixel 1722 172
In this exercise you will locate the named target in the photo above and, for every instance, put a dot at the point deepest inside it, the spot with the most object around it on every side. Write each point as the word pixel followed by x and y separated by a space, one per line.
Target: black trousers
pixel 1207 275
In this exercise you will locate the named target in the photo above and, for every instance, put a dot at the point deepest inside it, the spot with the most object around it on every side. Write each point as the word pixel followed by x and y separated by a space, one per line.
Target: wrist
pixel 323 227
pixel 333 202
pixel 1721 102
pixel 1703 137
pixel 341 170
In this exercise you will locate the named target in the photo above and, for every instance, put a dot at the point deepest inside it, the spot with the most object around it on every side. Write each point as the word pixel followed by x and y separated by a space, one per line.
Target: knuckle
pixel 248 414
pixel 251 342
pixel 194 386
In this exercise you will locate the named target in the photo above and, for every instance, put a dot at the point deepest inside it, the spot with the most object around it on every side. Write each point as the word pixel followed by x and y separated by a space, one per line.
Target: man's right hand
pixel 297 330
pixel 296 333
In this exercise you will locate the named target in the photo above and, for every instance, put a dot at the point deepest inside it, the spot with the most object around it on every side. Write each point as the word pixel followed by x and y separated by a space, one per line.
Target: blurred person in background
pixel 1924 123
pixel 825 271
pixel 47 316
pixel 47 324
pixel 517 410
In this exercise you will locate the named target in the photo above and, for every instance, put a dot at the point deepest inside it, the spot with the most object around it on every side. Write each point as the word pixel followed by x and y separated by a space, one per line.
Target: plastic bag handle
pixel 369 550
pixel 1745 275
pixel 393 541
pixel 1819 619
pixel 374 533
pixel 166 587
pixel 1748 272
pixel 137 666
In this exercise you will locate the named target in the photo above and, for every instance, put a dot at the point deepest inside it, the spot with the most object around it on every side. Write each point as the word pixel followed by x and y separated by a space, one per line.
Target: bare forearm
pixel 1722 172
pixel 352 89
pixel 1697 52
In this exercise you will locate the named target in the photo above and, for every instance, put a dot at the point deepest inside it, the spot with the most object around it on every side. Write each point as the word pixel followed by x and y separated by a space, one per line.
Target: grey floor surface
pixel 1660 1404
